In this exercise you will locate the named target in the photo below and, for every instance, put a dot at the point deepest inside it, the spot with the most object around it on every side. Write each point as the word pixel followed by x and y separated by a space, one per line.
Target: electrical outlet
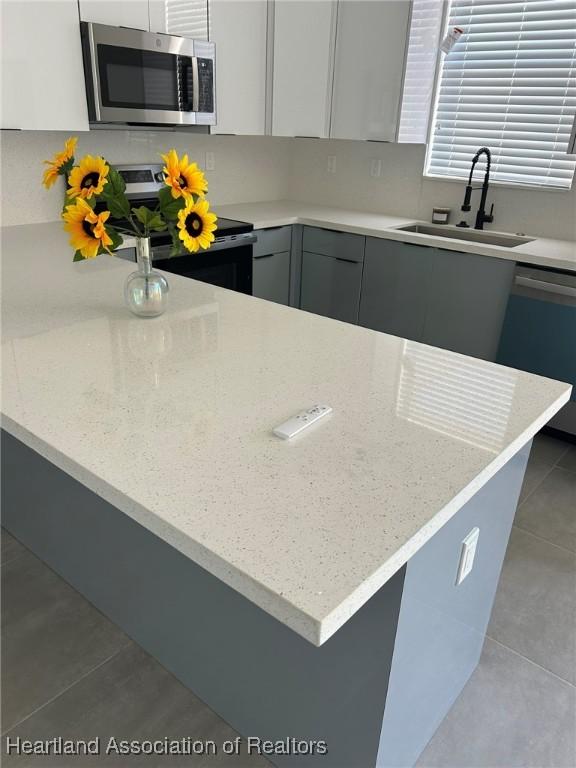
pixel 376 167
pixel 331 166
pixel 210 161
pixel 467 555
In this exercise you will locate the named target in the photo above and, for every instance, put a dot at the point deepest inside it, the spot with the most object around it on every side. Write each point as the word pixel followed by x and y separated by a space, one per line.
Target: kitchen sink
pixel 461 233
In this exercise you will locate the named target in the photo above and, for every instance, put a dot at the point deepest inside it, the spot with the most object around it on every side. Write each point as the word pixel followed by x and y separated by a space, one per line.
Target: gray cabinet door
pixel 271 277
pixel 395 287
pixel 331 286
pixel 467 298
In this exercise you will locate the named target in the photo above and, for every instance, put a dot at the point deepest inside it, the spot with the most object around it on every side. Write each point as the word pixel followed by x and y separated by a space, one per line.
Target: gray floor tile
pixel 51 636
pixel 535 473
pixel 9 547
pixel 511 714
pixel 535 608
pixel 130 697
pixel 548 450
pixel 550 511
pixel 568 461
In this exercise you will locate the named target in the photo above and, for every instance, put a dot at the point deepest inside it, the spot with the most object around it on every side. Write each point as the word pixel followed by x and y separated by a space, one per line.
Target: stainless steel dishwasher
pixel 539 333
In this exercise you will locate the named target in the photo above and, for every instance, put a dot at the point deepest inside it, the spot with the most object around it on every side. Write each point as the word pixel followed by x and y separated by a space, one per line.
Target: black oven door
pixel 229 268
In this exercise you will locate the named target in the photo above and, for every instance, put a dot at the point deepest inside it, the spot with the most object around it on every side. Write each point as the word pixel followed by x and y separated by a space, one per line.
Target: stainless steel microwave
pixel 147 78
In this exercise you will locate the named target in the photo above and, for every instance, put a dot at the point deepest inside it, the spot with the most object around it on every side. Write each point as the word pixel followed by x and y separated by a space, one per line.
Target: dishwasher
pixel 539 331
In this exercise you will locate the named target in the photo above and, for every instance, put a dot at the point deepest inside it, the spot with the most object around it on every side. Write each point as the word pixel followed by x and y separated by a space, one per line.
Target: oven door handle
pixel 545 286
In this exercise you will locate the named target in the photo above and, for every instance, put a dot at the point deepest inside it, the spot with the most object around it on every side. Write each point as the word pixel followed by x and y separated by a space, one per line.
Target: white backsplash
pixel 252 168
pixel 247 168
pixel 402 190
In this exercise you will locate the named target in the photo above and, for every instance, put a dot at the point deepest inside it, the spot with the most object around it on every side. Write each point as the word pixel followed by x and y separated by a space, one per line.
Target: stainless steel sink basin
pixel 461 233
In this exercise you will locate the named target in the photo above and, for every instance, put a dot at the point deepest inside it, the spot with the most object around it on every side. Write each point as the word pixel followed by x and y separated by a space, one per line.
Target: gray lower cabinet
pixel 448 299
pixel 467 302
pixel 271 277
pixel 395 288
pixel 331 286
pixel 331 273
pixel 271 264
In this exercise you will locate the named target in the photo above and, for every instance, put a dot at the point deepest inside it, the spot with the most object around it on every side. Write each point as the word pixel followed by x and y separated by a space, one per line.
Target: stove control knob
pixel 159 177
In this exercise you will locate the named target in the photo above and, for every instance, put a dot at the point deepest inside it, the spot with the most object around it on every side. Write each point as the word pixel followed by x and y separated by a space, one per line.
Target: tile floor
pixel 67 670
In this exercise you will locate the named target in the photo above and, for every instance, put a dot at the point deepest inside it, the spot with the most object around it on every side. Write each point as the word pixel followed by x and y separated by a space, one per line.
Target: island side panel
pixel 442 626
pixel 259 675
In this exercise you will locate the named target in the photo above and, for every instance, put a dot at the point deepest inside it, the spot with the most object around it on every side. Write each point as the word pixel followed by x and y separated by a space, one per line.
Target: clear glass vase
pixel 145 291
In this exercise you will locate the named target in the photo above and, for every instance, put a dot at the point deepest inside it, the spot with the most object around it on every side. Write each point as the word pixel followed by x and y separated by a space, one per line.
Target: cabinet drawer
pixel 331 286
pixel 327 242
pixel 274 240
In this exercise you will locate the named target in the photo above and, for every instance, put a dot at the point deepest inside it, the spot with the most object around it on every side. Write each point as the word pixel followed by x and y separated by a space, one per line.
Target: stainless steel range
pixel 227 263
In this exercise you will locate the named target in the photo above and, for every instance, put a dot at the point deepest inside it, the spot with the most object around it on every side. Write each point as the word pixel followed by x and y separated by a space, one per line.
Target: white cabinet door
pixel 238 27
pixel 187 18
pixel 41 62
pixel 304 32
pixel 371 42
pixel 116 13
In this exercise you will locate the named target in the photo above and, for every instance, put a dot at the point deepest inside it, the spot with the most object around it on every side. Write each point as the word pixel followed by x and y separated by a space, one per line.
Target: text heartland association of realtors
pixel 57 745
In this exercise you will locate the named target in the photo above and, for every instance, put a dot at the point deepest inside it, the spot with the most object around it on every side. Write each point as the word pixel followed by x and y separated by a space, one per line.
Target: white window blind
pixel 509 84
pixel 188 18
pixel 418 93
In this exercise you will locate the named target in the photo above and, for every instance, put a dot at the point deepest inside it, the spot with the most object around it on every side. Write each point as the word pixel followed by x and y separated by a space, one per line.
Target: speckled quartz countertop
pixel 170 420
pixel 545 252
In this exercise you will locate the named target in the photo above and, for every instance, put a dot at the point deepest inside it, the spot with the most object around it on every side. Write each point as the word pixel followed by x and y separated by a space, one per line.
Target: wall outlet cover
pixel 467 554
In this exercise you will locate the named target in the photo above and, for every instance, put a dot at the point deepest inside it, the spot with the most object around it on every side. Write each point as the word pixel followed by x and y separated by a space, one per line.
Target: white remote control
pixel 297 423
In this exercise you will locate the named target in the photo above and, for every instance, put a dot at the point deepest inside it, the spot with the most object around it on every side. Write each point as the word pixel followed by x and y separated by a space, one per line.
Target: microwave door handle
pixel 195 85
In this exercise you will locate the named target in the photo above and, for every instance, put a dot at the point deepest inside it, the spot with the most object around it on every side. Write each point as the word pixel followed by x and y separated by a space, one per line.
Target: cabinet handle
pixel 347 261
pixel 264 256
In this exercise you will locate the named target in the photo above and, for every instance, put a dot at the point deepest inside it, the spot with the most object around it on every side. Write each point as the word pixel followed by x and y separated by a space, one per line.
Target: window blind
pixel 509 84
pixel 420 71
pixel 188 18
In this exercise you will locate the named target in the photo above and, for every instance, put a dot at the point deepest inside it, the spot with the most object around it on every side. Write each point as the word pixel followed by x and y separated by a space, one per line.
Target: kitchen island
pixel 304 589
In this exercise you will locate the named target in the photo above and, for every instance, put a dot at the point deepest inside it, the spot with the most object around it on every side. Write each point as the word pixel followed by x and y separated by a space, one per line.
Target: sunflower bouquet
pixel 97 213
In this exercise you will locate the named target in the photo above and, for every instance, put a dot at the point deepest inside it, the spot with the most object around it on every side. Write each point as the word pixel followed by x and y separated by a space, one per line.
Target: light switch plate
pixel 467 554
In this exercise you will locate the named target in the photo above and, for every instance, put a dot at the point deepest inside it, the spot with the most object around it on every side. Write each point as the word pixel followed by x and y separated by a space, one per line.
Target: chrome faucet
pixel 481 217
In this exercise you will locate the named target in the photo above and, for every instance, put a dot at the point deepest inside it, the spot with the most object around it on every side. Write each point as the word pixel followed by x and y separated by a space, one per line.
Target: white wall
pixel 265 168
pixel 247 168
pixel 402 190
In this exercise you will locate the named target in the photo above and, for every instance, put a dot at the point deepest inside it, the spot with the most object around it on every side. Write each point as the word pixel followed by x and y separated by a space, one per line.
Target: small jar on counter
pixel 440 215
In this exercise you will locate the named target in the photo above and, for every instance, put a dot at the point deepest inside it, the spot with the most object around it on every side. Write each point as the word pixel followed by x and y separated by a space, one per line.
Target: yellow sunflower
pixel 196 224
pixel 185 178
pixel 60 158
pixel 88 178
pixel 87 231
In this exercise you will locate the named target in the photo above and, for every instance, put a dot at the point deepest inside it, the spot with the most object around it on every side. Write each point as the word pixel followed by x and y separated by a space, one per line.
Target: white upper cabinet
pixel 304 32
pixel 116 13
pixel 187 18
pixel 238 27
pixel 41 63
pixel 371 43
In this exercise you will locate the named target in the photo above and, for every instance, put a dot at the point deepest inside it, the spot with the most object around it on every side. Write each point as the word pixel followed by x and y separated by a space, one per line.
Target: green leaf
pixel 116 238
pixel 115 186
pixel 66 167
pixel 78 256
pixel 170 206
pixel 176 242
pixel 143 214
pixel 119 207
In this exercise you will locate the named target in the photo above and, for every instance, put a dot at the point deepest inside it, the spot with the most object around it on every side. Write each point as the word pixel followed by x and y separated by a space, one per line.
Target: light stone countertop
pixel 544 252
pixel 170 420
